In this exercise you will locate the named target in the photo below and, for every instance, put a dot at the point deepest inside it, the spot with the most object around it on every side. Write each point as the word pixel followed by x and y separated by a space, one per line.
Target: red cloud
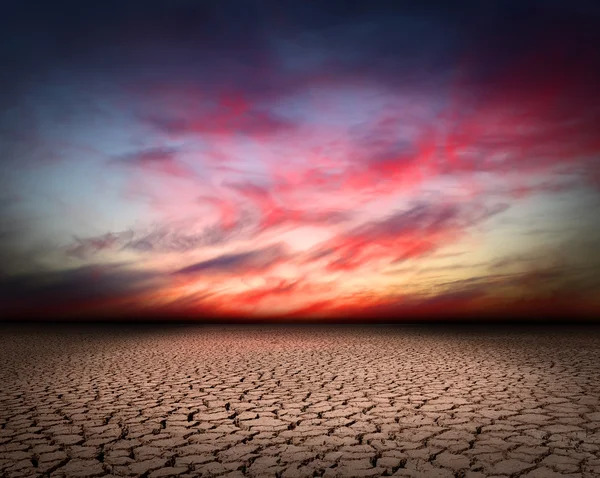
pixel 272 213
pixel 228 211
pixel 231 114
pixel 413 233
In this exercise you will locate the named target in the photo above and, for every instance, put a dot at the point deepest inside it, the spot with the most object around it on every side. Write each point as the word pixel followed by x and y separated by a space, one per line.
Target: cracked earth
pixel 299 402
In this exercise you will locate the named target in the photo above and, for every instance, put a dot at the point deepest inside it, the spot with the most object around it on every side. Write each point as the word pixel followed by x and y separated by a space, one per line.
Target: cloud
pixel 150 156
pixel 82 248
pixel 338 107
pixel 534 276
pixel 257 260
pixel 416 232
pixel 544 293
pixel 161 238
pixel 234 222
pixel 163 160
pixel 273 213
pixel 73 290
pixel 282 290
pixel 225 118
pixel 197 69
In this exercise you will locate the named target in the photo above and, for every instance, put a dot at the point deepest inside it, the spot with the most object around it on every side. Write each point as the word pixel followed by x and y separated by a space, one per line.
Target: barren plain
pixel 299 402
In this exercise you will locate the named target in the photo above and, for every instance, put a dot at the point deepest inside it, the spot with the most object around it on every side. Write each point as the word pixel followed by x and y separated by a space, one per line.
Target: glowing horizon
pixel 300 160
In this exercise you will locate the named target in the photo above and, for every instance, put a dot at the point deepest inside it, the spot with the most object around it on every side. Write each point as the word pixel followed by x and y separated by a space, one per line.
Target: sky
pixel 299 159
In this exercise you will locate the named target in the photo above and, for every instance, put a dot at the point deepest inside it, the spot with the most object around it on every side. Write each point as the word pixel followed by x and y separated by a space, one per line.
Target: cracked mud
pixel 295 402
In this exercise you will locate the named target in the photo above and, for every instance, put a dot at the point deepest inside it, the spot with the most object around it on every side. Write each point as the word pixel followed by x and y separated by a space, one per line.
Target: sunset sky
pixel 299 158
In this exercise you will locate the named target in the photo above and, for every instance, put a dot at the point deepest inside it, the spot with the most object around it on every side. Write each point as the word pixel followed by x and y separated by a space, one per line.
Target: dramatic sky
pixel 299 158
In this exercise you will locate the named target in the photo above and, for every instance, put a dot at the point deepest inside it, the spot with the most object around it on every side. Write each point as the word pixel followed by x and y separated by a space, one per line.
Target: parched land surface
pixel 291 402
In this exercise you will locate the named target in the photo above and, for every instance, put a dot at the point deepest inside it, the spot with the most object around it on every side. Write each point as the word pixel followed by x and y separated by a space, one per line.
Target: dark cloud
pixel 94 284
pixel 537 277
pixel 415 232
pixel 84 247
pixel 237 223
pixel 428 218
pixel 162 160
pixel 149 156
pixel 250 261
pixel 159 239
pixel 19 250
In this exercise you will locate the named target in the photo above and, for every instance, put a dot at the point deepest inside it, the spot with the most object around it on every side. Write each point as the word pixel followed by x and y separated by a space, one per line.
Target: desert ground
pixel 299 402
